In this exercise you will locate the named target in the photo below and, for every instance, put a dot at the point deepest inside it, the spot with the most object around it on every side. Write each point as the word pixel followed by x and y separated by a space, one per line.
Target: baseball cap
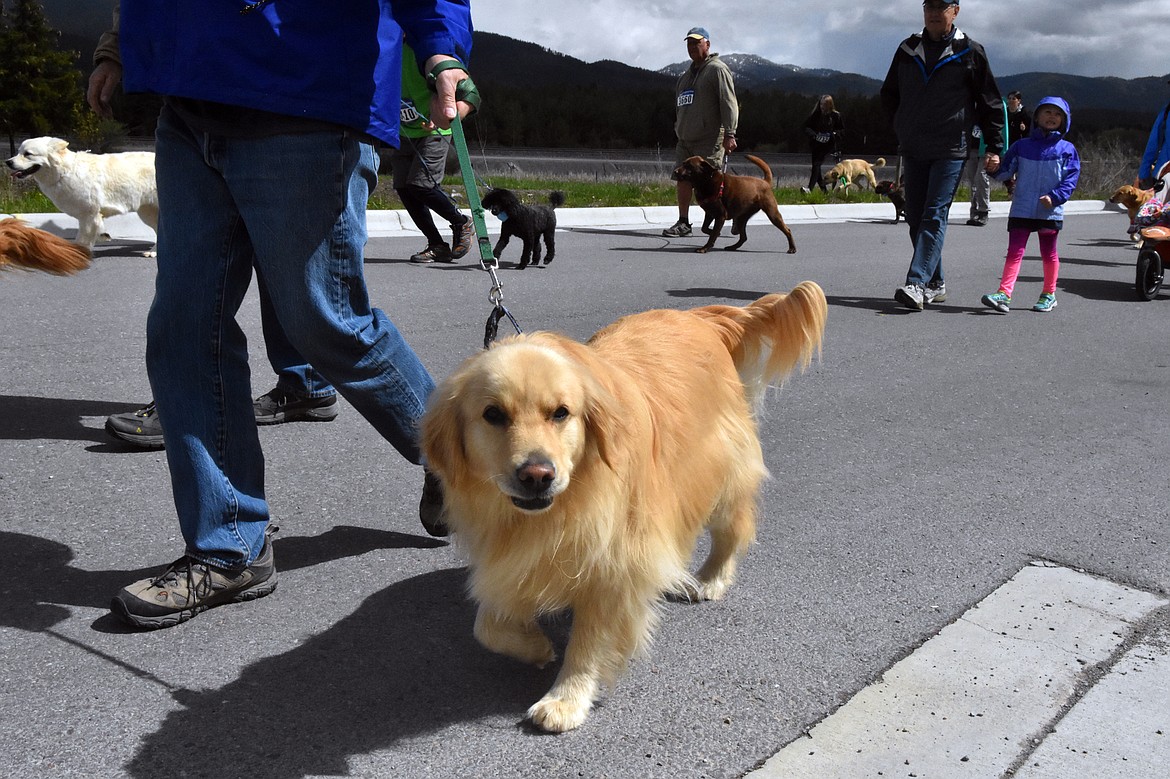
pixel 698 33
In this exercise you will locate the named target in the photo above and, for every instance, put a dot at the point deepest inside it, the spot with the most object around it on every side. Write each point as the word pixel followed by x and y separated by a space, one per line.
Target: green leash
pixel 487 260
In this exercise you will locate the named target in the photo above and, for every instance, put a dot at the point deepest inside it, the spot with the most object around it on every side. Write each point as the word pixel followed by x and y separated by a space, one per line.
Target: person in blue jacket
pixel 1047 167
pixel 265 157
pixel 1157 151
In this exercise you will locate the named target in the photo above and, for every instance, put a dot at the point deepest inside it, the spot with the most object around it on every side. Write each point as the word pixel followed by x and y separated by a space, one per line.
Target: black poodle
pixel 527 222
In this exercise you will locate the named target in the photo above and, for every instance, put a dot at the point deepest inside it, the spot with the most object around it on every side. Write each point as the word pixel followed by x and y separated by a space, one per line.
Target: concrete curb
pixel 382 224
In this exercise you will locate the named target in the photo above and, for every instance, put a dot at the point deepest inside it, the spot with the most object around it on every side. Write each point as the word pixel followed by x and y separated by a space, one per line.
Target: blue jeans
pixel 929 187
pixel 294 206
pixel 293 374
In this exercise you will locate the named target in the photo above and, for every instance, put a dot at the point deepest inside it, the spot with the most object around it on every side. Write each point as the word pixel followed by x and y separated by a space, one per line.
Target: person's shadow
pixel 38 582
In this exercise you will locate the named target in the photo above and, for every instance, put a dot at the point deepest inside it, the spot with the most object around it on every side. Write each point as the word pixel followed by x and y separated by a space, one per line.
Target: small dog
pixel 89 187
pixel 580 476
pixel 527 222
pixel 893 191
pixel 26 247
pixel 845 171
pixel 738 198
pixel 1133 199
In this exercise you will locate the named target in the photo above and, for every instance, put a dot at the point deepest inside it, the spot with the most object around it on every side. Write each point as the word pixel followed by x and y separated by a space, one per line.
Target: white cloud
pixel 1078 37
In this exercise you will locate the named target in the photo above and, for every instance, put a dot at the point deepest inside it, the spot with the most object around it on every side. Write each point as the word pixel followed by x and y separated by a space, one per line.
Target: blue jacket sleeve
pixel 1146 168
pixel 1068 182
pixel 1008 164
pixel 435 27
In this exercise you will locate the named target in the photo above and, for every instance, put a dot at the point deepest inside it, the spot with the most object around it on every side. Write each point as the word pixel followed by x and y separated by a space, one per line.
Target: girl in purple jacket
pixel 1047 168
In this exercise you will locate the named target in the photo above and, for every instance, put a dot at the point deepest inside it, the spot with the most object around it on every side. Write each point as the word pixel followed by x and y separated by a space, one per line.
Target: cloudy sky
pixel 1124 38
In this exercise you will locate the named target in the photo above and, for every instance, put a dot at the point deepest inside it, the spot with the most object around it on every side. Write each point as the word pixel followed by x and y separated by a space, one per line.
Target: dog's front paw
pixel 555 715
pixel 701 250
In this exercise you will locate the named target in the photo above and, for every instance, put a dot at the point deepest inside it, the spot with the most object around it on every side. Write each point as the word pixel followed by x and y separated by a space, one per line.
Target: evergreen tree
pixel 40 89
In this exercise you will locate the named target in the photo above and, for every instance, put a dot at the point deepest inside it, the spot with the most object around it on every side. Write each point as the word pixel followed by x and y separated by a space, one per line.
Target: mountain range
pixel 512 62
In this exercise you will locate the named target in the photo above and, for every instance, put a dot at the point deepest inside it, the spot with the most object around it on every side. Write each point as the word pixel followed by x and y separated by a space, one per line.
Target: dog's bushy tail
pixel 772 336
pixel 556 198
pixel 26 247
pixel 881 162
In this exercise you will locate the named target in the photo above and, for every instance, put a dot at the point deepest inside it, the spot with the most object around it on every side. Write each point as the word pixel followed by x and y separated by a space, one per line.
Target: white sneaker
pixel 934 293
pixel 911 296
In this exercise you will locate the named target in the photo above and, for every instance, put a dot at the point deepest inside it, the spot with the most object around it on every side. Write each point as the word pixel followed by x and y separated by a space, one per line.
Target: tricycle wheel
pixel 1149 274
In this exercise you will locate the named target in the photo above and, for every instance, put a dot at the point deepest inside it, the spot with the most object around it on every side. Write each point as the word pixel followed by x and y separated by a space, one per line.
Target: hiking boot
pixel 436 252
pixel 279 406
pixel 934 293
pixel 188 587
pixel 1047 302
pixel 999 301
pixel 680 229
pixel 462 237
pixel 140 428
pixel 910 296
pixel 430 507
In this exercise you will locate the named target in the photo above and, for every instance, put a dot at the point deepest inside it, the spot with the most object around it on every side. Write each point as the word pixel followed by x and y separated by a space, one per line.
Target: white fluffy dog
pixel 89 187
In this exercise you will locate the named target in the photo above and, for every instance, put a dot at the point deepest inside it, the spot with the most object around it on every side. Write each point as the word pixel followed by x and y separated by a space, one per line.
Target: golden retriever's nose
pixel 536 476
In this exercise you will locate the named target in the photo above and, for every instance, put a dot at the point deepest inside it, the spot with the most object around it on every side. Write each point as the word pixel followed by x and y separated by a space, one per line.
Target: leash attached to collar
pixel 487 260
pixel 719 194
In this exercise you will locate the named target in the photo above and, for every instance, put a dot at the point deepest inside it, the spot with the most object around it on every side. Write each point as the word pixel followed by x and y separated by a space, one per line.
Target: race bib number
pixel 409 115
pixel 686 97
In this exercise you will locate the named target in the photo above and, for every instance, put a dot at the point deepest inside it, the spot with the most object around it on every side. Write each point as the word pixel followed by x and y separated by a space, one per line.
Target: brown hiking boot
pixel 188 587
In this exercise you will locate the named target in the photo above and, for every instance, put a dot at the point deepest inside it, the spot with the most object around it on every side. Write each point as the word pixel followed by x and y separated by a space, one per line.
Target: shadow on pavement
pixel 403 666
pixel 38 580
pixel 27 418
pixel 715 292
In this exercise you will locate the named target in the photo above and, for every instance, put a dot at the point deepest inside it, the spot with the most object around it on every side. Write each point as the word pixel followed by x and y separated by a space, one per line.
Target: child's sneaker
pixel 999 301
pixel 1047 302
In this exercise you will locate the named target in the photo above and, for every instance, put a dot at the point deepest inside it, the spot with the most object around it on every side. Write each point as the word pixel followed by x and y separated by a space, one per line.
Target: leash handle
pixel 493 324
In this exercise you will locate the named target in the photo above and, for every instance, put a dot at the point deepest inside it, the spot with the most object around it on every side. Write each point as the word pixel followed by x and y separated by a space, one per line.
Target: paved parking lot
pixel 924 462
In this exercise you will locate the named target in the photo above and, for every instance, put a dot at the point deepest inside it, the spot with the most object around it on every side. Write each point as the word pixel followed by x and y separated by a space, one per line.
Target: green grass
pixel 23 197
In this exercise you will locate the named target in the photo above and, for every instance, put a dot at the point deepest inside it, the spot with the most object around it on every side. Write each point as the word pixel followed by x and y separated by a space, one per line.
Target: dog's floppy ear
pixel 605 417
pixel 441 432
pixel 58 145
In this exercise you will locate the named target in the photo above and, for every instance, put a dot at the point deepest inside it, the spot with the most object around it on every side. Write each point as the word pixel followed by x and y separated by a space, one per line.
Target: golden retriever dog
pixel 1132 198
pixel 843 173
pixel 26 247
pixel 579 476
pixel 90 187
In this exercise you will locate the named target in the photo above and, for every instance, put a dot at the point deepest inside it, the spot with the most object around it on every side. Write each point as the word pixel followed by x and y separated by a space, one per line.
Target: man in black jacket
pixel 938 88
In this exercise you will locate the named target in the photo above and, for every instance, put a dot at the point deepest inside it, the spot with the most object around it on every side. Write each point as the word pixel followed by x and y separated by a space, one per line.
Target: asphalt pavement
pixel 963 563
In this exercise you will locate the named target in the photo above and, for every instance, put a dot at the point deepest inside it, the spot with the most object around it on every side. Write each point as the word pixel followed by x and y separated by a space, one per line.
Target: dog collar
pixel 713 198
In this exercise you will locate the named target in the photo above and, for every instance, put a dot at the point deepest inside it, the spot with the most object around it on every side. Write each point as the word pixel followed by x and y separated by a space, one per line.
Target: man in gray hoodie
pixel 706 115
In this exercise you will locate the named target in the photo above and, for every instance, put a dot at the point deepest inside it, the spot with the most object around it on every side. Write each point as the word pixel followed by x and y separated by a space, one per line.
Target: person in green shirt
pixel 417 166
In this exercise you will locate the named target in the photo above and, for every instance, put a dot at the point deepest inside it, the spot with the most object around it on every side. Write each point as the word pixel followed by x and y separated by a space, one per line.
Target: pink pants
pixel 1017 241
